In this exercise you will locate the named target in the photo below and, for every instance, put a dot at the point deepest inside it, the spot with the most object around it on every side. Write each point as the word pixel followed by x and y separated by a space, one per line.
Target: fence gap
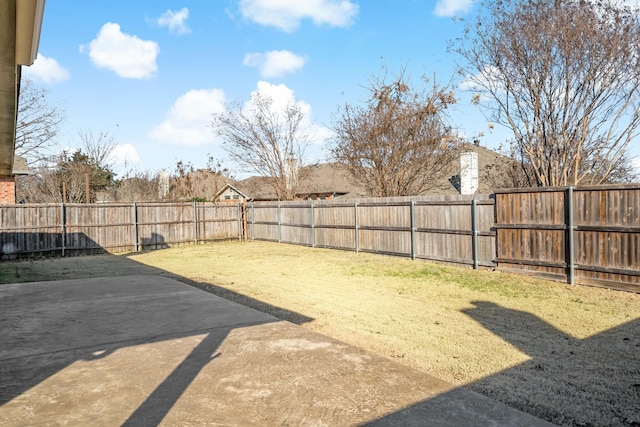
pixel 135 227
pixel 243 212
pixel 63 227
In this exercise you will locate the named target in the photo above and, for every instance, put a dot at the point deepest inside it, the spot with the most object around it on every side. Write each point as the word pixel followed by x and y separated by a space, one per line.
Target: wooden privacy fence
pixel 588 235
pixel 28 230
pixel 447 229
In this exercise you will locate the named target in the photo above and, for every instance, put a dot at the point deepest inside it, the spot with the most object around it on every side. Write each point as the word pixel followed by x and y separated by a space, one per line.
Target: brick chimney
pixel 8 183
pixel 7 190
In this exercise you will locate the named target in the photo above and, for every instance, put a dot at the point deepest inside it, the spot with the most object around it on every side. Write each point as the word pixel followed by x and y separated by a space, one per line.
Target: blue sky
pixel 151 73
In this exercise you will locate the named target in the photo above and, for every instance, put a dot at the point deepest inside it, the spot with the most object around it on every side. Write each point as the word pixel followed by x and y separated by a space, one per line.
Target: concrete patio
pixel 149 350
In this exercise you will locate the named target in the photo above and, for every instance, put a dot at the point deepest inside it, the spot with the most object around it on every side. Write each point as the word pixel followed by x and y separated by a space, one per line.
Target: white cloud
pixel 446 8
pixel 46 70
pixel 287 14
pixel 274 63
pixel 282 97
pixel 634 4
pixel 319 134
pixel 187 122
pixel 489 77
pixel 124 156
pixel 175 21
pixel 128 56
pixel 452 7
pixel 636 164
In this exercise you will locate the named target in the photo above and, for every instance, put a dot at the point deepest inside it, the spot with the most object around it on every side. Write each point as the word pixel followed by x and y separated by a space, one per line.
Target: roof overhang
pixel 29 15
pixel 20 26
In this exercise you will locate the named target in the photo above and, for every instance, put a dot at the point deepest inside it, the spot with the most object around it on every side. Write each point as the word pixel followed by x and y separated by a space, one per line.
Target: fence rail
pixel 48 229
pixel 456 230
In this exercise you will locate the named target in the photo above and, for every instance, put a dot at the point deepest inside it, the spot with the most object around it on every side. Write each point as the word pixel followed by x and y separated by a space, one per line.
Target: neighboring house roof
pixel 321 179
pixel 494 169
pixel 257 188
pixel 329 178
pixel 226 187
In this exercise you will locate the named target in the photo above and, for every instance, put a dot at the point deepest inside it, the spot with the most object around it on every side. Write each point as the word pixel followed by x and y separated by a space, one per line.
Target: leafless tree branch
pixel 564 76
pixel 265 140
pixel 398 143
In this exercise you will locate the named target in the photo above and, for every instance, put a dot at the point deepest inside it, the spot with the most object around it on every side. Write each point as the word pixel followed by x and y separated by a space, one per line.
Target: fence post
pixel 63 227
pixel 195 223
pixel 135 226
pixel 412 207
pixel 570 227
pixel 313 227
pixel 253 221
pixel 279 224
pixel 474 232
pixel 240 221
pixel 355 222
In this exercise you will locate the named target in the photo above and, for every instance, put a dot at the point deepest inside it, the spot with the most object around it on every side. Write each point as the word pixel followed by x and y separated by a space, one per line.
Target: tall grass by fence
pixel 32 230
pixel 445 228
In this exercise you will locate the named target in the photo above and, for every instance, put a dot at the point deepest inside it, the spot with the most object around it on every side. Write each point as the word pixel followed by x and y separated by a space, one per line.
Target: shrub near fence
pixel 439 228
pixel 35 230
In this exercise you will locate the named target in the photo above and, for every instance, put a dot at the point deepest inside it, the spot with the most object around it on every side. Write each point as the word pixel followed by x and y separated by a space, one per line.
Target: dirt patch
pixel 568 354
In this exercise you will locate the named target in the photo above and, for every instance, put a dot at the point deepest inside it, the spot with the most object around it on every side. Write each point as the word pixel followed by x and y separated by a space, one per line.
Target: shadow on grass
pixel 573 386
pixel 590 381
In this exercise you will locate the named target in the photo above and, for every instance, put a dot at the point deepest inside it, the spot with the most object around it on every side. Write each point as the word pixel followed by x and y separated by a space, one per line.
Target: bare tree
pixel 189 183
pixel 136 186
pixel 42 185
pixel 65 177
pixel 398 144
pixel 37 124
pixel 98 148
pixel 564 76
pixel 63 182
pixel 265 139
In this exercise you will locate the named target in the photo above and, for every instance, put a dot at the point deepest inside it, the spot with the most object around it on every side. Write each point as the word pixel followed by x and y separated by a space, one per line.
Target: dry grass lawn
pixel 568 354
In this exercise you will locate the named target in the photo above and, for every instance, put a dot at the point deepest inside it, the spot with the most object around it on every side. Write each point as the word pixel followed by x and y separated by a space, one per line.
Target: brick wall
pixel 7 190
